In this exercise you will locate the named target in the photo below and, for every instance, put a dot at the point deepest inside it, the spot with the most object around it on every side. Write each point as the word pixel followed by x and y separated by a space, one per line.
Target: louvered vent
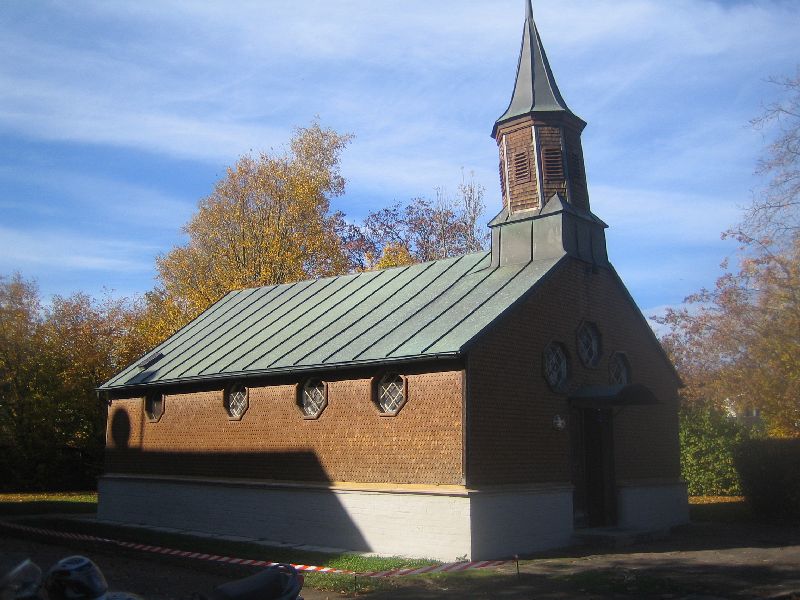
pixel 553 164
pixel 522 167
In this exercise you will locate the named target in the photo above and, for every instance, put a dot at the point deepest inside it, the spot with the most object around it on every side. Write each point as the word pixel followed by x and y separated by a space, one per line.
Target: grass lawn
pixel 34 508
pixel 47 502
pixel 344 583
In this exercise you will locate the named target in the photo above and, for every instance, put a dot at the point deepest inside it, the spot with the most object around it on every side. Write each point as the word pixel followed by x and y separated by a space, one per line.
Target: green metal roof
pixel 425 311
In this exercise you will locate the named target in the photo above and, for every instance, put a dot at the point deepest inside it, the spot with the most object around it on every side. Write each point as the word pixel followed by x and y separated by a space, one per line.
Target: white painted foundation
pixel 437 522
pixel 441 523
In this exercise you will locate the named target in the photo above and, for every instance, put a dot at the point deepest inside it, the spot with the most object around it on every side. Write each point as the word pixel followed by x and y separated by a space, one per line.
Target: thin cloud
pixel 65 250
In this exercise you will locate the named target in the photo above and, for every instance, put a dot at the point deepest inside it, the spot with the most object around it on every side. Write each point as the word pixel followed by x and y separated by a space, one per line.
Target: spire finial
pixel 529 10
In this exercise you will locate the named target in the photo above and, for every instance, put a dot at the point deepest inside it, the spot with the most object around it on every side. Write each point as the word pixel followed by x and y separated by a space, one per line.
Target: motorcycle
pixel 78 578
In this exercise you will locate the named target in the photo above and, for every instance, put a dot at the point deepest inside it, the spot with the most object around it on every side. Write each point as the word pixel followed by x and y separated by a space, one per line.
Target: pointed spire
pixel 535 89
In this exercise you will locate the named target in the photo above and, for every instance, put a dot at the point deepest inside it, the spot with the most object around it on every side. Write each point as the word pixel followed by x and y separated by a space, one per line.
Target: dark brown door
pixel 594 500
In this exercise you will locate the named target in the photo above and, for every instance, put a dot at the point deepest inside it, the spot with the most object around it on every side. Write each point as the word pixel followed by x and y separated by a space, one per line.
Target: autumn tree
pixel 268 221
pixel 774 214
pixel 737 346
pixel 423 230
pixel 52 358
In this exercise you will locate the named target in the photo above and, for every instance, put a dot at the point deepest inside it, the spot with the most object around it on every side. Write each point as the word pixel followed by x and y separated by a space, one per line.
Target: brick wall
pixel 349 442
pixel 510 438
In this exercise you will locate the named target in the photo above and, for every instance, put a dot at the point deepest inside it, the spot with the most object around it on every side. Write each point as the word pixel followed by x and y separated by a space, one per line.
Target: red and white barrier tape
pixel 448 568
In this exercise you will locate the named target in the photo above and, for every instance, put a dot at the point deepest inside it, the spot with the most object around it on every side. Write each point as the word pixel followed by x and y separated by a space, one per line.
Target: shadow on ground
pixel 711 560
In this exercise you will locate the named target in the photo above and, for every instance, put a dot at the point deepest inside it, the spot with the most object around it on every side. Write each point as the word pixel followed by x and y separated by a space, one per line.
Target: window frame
pixel 378 381
pixel 301 388
pixel 151 397
pixel 586 361
pixel 623 357
pixel 559 387
pixel 226 398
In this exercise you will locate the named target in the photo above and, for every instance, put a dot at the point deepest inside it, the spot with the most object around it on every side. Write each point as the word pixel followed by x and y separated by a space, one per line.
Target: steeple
pixel 538 135
pixel 535 88
pixel 545 196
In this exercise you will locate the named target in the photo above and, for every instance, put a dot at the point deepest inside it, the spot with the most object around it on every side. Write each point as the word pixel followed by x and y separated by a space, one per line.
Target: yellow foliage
pixel 394 255
pixel 267 222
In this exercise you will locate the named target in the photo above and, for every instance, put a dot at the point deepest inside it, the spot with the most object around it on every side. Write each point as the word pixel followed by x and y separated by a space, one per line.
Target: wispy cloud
pixel 35 248
pixel 667 88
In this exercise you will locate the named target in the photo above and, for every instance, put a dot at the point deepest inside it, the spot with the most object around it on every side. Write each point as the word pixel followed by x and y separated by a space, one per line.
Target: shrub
pixel 770 477
pixel 708 439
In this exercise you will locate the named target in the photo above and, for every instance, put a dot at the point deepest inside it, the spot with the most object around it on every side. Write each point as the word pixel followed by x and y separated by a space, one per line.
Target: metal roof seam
pixel 532 289
pixel 378 322
pixel 465 317
pixel 436 318
pixel 363 315
pixel 163 345
pixel 395 272
pixel 249 298
pixel 287 301
pixel 263 354
pixel 252 299
pixel 420 309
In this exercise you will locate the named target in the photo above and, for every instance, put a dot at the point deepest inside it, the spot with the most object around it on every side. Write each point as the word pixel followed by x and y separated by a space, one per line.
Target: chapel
pixel 486 405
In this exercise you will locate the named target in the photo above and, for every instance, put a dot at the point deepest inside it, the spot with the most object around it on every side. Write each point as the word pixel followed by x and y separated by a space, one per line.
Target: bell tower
pixel 538 136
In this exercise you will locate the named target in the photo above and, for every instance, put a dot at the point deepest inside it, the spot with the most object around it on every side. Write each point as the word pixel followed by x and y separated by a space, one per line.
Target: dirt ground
pixel 701 561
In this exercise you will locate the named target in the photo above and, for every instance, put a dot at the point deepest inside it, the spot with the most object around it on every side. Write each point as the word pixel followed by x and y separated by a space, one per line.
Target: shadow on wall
pixel 150 492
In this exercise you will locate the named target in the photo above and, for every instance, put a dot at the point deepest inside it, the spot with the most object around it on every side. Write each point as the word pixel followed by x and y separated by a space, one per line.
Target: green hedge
pixel 708 440
pixel 770 477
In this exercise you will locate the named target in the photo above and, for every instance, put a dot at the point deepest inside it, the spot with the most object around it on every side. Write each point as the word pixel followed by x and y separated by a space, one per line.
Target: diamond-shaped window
pixel 391 394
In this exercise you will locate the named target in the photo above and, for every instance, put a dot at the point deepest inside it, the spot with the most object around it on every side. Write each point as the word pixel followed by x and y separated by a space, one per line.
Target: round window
pixel 313 398
pixel 556 366
pixel 236 401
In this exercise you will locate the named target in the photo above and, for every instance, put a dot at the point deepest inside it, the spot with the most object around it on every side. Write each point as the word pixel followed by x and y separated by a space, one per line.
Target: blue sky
pixel 117 117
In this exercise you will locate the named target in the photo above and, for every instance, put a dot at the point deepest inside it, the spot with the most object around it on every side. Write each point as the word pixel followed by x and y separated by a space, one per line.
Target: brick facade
pixel 349 442
pixel 510 437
